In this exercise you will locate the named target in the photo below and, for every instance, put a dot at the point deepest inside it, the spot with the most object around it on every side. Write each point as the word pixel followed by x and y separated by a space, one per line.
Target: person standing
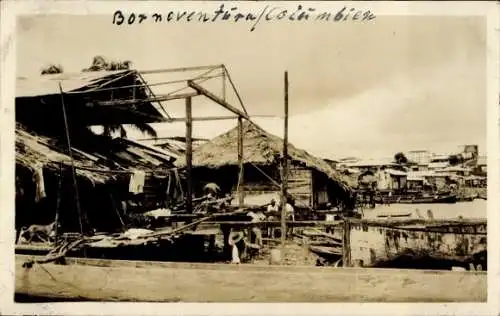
pixel 290 215
pixel 272 207
pixel 272 212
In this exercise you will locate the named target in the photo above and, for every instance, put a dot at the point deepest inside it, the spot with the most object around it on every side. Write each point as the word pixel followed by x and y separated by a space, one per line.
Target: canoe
pixel 394 215
pixel 146 281
pixel 416 200
pixel 327 252
pixel 427 200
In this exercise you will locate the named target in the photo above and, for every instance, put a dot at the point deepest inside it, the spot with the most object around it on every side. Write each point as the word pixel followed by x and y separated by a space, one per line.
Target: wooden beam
pixel 241 197
pixel 216 99
pixel 189 156
pixel 159 98
pixel 207 118
pixel 284 168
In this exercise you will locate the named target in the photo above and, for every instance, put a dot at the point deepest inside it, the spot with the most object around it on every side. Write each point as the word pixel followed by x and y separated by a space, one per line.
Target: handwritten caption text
pixel 235 15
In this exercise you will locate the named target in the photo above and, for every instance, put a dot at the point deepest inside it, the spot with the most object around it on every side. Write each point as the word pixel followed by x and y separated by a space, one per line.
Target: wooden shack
pixel 312 182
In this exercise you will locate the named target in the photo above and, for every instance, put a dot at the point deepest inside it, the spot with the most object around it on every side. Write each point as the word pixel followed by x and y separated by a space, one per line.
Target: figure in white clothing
pixel 272 207
pixel 272 212
pixel 289 212
pixel 234 239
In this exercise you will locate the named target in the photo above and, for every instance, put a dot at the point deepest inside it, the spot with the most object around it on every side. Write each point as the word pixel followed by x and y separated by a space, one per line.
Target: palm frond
pixel 52 69
pixel 145 129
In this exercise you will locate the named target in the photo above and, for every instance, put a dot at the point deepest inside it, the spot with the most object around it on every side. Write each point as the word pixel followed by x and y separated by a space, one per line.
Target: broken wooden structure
pixel 406 242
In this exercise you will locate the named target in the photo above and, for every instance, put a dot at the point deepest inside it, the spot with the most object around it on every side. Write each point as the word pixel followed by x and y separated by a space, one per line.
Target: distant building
pixel 473 150
pixel 421 157
pixel 481 167
pixel 439 162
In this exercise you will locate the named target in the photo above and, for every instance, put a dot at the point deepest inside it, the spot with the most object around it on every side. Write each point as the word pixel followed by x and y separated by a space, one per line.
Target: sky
pixel 365 90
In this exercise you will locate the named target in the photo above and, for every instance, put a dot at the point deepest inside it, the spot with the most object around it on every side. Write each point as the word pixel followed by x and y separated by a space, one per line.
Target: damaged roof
pixel 84 93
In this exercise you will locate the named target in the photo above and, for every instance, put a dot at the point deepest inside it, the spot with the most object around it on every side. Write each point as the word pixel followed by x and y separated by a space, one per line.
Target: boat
pixel 80 279
pixel 427 200
pixel 405 199
pixel 383 215
pixel 468 198
pixel 327 252
pixel 482 196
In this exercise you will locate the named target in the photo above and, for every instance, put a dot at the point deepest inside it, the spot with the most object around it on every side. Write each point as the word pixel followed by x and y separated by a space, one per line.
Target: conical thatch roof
pixel 259 148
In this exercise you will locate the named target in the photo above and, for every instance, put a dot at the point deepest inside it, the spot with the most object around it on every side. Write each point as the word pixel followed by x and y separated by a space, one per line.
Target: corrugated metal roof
pixel 49 84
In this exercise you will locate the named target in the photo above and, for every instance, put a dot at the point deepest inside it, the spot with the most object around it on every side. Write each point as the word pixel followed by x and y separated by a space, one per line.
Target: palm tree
pixel 52 69
pixel 109 130
pixel 101 63
pixel 400 158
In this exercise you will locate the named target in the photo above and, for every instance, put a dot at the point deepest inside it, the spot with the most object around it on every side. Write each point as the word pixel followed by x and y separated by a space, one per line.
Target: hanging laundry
pixel 137 182
pixel 40 184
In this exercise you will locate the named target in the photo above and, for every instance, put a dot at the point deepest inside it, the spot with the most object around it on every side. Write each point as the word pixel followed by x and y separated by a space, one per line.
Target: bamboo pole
pixel 68 140
pixel 189 156
pixel 284 168
pixel 241 196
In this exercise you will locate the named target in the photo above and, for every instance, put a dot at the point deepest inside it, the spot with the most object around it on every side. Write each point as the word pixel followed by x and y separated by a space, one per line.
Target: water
pixel 474 209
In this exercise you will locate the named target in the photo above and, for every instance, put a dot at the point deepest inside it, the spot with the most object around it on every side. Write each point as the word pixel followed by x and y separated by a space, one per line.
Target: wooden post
pixel 189 156
pixel 73 171
pixel 241 197
pixel 284 169
pixel 346 244
pixel 224 84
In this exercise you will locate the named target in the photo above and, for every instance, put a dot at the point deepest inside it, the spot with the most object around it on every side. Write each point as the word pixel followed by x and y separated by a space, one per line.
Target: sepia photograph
pixel 240 152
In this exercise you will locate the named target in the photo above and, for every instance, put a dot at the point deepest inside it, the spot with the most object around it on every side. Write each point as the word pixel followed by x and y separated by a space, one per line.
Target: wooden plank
pixel 117 280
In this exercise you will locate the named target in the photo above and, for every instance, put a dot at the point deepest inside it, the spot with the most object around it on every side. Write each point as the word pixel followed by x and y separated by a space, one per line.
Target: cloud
pixel 435 108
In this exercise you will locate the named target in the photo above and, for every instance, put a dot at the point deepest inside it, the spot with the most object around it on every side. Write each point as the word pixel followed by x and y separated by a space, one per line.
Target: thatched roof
pixel 37 151
pixel 260 148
